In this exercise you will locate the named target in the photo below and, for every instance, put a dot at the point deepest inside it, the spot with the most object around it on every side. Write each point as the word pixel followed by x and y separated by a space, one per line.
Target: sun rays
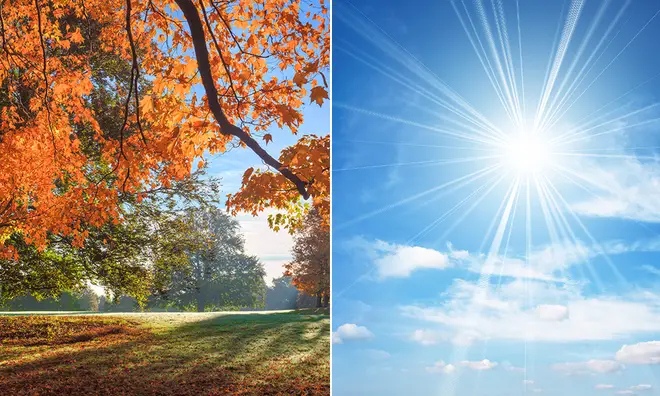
pixel 532 155
pixel 527 149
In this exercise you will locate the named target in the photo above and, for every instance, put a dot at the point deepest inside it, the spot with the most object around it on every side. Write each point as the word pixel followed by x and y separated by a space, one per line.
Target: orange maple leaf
pixel 318 94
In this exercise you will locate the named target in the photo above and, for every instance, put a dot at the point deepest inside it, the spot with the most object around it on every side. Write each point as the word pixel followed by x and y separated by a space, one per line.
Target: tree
pixel 67 166
pixel 102 303
pixel 132 257
pixel 89 301
pixel 304 300
pixel 220 275
pixel 122 304
pixel 282 295
pixel 310 267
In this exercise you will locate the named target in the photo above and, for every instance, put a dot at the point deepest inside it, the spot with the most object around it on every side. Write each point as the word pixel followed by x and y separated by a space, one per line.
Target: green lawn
pixel 166 354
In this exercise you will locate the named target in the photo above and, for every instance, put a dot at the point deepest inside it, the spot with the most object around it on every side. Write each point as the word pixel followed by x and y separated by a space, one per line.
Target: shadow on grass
pixel 255 354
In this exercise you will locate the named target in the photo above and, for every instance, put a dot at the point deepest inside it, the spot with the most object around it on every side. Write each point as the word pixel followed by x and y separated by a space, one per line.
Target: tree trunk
pixel 326 300
pixel 319 301
pixel 200 302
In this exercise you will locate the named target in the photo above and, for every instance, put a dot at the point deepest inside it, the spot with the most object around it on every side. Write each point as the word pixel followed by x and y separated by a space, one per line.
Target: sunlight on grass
pixel 158 353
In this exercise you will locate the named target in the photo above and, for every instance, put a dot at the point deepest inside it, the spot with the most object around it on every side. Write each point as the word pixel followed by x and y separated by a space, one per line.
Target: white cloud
pixel 641 387
pixel 589 367
pixel 350 331
pixel 457 254
pixel 630 189
pixel 479 365
pixel 460 254
pixel 537 390
pixel 625 392
pixel 397 261
pixel 552 312
pixel 547 263
pixel 604 386
pixel 522 309
pixel 528 382
pixel 641 353
pixel 441 367
pixel 425 337
pixel 511 267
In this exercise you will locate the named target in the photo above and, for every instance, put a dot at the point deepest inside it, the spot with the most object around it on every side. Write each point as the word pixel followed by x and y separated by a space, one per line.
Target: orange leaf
pixel 268 138
pixel 247 174
pixel 299 79
pixel 318 94
pixel 147 104
pixel 76 37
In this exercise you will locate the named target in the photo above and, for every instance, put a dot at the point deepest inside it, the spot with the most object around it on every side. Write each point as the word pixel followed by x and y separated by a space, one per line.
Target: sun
pixel 528 154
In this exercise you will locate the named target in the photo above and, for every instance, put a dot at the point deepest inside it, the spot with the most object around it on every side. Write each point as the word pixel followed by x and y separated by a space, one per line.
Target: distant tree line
pixel 281 295
pixel 85 300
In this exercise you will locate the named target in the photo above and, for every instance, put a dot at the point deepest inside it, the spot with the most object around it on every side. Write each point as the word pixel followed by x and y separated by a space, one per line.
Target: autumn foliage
pixel 45 330
pixel 310 266
pixel 200 77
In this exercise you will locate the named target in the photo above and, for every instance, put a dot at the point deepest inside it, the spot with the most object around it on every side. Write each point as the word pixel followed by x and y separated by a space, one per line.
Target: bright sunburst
pixel 528 153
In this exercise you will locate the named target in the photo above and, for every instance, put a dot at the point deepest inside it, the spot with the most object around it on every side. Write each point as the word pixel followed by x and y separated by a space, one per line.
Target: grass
pixel 166 354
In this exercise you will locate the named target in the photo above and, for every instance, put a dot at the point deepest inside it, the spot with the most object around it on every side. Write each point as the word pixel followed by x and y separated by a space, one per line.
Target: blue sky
pixel 496 197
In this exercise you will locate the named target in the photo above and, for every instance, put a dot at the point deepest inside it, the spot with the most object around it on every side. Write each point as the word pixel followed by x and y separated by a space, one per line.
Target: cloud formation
pixel 399 261
pixel 641 353
pixel 480 365
pixel 350 332
pixel 552 312
pixel 630 189
pixel 546 263
pixel 468 314
pixel 589 367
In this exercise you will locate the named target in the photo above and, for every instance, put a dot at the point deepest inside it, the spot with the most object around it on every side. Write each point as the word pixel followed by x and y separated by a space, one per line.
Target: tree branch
pixel 222 58
pixel 45 73
pixel 201 53
pixel 135 70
